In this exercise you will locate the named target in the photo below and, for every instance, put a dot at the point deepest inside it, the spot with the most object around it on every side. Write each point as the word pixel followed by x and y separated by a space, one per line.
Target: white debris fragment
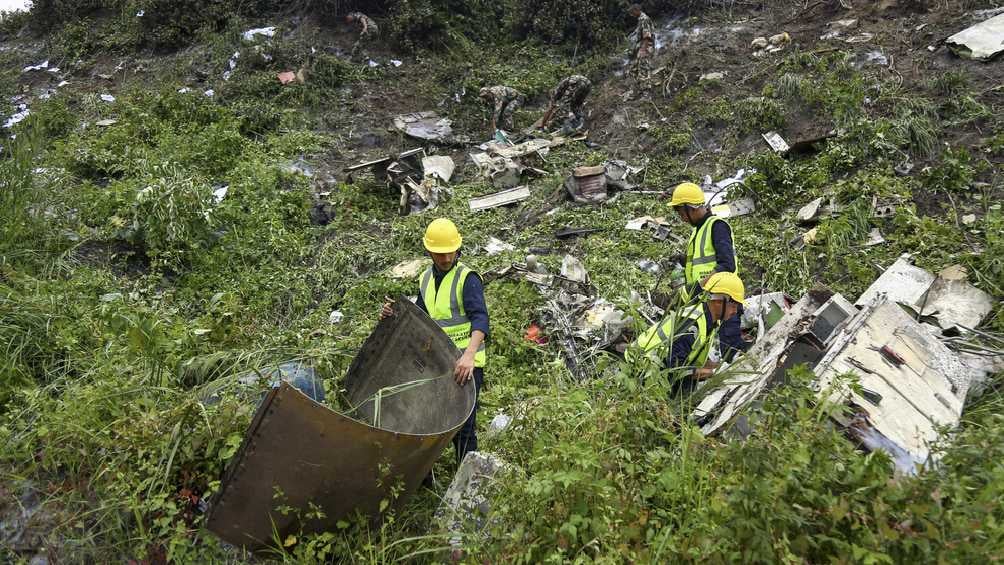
pixel 335 317
pixel 969 219
pixel 39 67
pixel 396 63
pixel 573 269
pixel 496 246
pixel 140 14
pixel 184 90
pixel 498 424
pixel 649 266
pixel 251 34
pixel 17 117
pixel 982 41
pixel 409 269
pixel 902 282
pixel 220 193
pixel 874 238
pixel 776 142
pixel 372 63
pixel 62 84
pixel 210 93
pixel 107 97
pixel 106 123
pixel 111 297
pixel 439 166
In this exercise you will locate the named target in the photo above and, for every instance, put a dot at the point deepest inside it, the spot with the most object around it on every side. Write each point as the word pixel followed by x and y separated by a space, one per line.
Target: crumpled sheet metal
pixel 982 42
pixel 927 391
pixel 298 452
pixel 428 126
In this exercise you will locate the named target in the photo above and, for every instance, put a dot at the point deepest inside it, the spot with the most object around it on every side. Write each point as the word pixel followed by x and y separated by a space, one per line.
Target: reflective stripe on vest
pixel 658 338
pixel 446 307
pixel 701 256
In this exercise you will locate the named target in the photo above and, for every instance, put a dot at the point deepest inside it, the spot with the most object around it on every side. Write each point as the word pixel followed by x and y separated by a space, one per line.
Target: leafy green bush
pixel 954 174
pixel 171 217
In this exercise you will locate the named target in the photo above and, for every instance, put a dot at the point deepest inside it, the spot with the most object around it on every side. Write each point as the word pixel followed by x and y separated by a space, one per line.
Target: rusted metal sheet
pixel 298 452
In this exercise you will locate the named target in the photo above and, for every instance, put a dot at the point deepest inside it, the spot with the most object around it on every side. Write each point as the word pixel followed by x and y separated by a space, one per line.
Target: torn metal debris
pixel 776 142
pixel 312 455
pixel 981 42
pixel 466 507
pixel 427 126
pixel 910 382
pixel 503 198
pixel 416 175
pixel 922 384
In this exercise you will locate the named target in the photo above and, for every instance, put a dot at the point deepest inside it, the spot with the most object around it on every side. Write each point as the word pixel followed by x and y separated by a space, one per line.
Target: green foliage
pixel 954 174
pixel 171 216
pixel 759 114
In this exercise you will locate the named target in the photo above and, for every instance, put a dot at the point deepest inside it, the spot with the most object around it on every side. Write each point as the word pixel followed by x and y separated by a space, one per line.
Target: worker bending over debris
pixel 368 29
pixel 643 40
pixel 454 296
pixel 569 96
pixel 710 250
pixel 688 335
pixel 503 101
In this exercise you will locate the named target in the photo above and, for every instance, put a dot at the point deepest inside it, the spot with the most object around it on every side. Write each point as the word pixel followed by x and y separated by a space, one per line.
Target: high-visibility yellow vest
pixel 701 256
pixel 657 340
pixel 446 307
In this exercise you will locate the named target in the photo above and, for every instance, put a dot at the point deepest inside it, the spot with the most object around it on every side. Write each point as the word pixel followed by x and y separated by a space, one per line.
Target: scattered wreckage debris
pixel 776 142
pixel 913 380
pixel 836 29
pixel 659 227
pixel 409 269
pixel 981 42
pixel 500 161
pixel 946 300
pixel 427 126
pixel 496 246
pixel 503 198
pixel 465 508
pixel 921 383
pixel 313 455
pixel 416 175
pixel 592 184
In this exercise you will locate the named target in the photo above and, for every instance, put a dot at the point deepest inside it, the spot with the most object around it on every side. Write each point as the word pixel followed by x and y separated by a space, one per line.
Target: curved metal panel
pixel 298 452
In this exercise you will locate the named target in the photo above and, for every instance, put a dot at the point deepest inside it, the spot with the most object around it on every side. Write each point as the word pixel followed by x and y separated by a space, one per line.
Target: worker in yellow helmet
pixel 710 250
pixel 685 338
pixel 454 296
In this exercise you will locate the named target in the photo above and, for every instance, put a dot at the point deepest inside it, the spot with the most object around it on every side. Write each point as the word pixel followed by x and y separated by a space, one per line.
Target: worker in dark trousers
pixel 454 296
pixel 710 250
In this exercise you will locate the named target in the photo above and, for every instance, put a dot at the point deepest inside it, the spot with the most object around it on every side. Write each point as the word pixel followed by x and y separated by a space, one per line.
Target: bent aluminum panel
pixel 298 452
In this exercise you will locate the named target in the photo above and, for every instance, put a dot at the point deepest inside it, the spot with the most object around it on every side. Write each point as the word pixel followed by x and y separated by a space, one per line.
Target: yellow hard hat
pixel 687 193
pixel 442 236
pixel 726 283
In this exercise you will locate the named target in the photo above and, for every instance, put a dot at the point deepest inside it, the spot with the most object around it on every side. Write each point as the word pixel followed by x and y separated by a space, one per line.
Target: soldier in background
pixel 643 39
pixel 368 29
pixel 570 96
pixel 503 101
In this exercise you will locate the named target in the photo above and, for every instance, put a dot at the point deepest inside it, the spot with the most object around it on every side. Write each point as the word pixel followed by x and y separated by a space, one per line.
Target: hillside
pixel 173 216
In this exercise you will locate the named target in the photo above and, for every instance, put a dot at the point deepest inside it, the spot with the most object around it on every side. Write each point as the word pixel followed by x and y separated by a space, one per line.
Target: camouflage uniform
pixel 571 92
pixel 644 48
pixel 504 101
pixel 368 29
